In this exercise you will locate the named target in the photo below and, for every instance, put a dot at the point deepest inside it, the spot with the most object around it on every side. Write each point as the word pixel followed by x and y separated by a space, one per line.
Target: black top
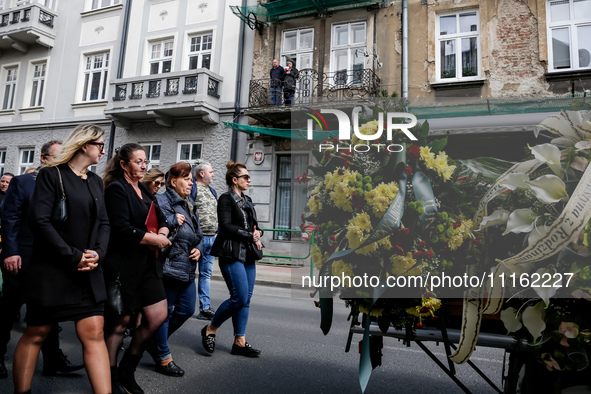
pixel 237 218
pixel 127 215
pixel 54 278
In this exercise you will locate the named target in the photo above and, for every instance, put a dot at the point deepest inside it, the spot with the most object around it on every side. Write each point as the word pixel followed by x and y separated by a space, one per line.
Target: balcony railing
pixel 314 87
pixel 28 24
pixel 166 96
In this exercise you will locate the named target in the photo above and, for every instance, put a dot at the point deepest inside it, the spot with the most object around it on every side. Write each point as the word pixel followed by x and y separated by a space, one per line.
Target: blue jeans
pixel 276 96
pixel 181 298
pixel 239 278
pixel 205 270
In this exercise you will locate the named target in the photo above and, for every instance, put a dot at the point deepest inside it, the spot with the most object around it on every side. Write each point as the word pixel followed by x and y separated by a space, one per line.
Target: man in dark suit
pixel 16 256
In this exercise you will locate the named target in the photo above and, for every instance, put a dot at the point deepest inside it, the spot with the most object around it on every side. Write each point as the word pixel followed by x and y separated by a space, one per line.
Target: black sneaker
pixel 206 314
pixel 171 369
pixel 246 351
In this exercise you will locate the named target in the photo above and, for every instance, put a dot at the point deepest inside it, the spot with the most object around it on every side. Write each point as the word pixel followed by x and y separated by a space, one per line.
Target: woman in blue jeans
pixel 179 264
pixel 236 245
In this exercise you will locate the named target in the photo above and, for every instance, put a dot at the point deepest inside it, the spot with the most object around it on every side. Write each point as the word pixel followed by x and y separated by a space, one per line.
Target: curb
pixel 260 282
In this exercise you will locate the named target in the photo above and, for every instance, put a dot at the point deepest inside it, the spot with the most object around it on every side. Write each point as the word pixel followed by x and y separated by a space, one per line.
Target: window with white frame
pixel 2 161
pixel 161 57
pixel 38 84
pixel 290 196
pixel 189 152
pixel 298 46
pixel 569 29
pixel 47 3
pixel 458 42
pixel 11 74
pixel 152 154
pixel 26 158
pixel 96 68
pixel 102 3
pixel 348 47
pixel 200 51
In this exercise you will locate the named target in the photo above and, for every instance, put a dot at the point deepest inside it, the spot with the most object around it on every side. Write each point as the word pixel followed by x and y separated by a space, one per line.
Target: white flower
pixel 532 320
pixel 548 189
pixel 521 221
pixel 500 216
pixel 549 154
pixel 510 319
pixel 514 180
pixel 570 126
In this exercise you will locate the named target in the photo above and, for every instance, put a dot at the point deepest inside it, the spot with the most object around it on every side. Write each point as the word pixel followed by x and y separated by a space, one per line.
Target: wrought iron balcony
pixel 26 25
pixel 313 87
pixel 163 97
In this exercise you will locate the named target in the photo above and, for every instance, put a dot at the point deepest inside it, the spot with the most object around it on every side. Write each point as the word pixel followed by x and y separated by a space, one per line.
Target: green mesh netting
pixel 278 10
pixel 500 106
pixel 283 133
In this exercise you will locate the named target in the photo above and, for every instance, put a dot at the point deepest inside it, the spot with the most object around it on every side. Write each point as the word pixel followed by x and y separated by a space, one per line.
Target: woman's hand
pixel 195 254
pixel 256 235
pixel 161 241
pixel 89 260
pixel 181 218
pixel 259 245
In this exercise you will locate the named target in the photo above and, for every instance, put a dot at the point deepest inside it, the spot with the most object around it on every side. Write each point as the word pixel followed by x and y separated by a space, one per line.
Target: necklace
pixel 80 173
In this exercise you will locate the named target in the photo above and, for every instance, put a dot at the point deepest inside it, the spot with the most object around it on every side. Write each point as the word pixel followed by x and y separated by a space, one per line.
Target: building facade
pixel 482 73
pixel 165 74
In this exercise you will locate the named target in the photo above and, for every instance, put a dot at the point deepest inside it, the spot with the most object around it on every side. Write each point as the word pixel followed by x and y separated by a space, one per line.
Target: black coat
pixel 16 232
pixel 53 277
pixel 233 237
pixel 177 264
pixel 290 79
pixel 128 227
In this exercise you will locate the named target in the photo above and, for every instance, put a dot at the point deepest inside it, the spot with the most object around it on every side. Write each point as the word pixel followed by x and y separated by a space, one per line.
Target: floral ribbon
pixel 563 231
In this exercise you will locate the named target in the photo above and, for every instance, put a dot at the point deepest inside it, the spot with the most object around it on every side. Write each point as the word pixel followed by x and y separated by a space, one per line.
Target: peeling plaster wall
pixel 515 66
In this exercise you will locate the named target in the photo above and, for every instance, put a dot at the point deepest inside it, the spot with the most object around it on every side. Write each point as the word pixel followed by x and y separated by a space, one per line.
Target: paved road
pixel 296 357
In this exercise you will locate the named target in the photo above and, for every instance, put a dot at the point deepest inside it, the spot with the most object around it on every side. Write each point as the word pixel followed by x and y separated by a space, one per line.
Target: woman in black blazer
pixel 132 257
pixel 65 281
pixel 236 245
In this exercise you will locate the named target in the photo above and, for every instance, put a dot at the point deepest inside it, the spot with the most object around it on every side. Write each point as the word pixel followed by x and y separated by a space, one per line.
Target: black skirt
pixel 38 315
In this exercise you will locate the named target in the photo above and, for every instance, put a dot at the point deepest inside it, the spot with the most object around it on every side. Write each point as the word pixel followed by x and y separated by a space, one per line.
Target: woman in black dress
pixel 132 257
pixel 65 280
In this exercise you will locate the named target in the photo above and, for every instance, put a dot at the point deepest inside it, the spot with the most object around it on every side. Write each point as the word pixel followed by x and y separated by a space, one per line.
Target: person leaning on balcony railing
pixel 277 75
pixel 289 83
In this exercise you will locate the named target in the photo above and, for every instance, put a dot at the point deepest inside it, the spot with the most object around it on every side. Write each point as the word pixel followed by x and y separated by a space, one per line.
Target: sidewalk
pixel 267 274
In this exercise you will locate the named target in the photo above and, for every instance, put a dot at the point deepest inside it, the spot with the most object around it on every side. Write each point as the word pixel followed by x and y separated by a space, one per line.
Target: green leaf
pixel 365 358
pixel 437 145
pixel 325 312
pixel 423 133
pixel 490 168
pixel 384 323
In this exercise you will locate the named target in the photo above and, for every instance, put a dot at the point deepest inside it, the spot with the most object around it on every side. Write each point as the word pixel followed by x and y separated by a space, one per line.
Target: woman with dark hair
pixel 180 263
pixel 154 179
pixel 65 279
pixel 132 258
pixel 235 246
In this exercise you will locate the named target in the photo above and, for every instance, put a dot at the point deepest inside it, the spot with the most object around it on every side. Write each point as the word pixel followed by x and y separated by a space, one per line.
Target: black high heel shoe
pixel 208 341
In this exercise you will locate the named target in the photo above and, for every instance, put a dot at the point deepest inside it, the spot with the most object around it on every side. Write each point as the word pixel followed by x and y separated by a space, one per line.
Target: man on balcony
pixel 277 74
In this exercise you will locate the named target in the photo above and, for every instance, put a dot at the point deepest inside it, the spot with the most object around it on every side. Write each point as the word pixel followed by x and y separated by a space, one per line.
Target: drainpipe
pixel 120 71
pixel 404 48
pixel 234 146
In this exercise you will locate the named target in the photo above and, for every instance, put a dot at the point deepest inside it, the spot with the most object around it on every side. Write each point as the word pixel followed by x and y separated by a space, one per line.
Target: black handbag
pixel 114 306
pixel 255 253
pixel 163 254
pixel 59 212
